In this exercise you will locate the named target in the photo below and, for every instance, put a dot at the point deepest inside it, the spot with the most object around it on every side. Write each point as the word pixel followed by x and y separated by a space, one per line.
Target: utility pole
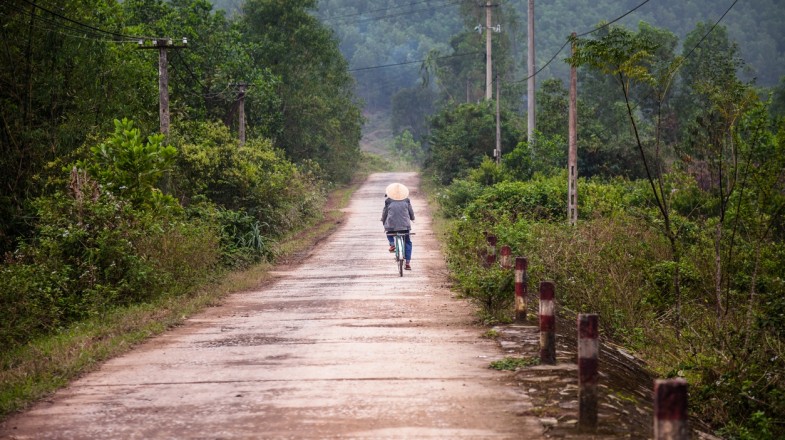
pixel 572 156
pixel 488 47
pixel 241 111
pixel 163 44
pixel 498 126
pixel 530 99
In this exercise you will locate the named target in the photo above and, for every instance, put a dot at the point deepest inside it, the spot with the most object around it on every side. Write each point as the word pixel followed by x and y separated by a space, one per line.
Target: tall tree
pixel 60 83
pixel 629 58
pixel 320 118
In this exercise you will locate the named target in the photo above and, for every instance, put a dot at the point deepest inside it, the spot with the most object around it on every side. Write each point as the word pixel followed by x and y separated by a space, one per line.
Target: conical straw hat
pixel 397 191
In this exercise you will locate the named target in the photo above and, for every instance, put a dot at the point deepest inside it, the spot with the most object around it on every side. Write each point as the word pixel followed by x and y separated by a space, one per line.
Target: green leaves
pixel 130 166
pixel 619 53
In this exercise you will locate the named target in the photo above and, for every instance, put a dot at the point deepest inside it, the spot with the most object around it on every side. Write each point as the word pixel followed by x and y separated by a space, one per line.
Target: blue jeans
pixel 408 247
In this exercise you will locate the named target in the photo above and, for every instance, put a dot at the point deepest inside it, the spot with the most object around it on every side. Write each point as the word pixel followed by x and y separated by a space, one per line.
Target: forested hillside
pixel 384 32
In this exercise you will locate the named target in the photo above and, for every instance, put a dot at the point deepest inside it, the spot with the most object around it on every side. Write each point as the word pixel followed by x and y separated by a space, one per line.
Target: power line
pixel 401 13
pixel 372 11
pixel 710 31
pixel 413 62
pixel 603 26
pixel 53 25
pixel 581 35
pixel 84 25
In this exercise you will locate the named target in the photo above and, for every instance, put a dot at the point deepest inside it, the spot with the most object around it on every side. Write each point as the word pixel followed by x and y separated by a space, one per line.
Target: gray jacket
pixel 397 215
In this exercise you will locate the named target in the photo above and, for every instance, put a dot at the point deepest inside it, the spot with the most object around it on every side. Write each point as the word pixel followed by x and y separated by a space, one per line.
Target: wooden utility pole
pixel 530 99
pixel 163 89
pixel 498 126
pixel 488 47
pixel 163 44
pixel 241 111
pixel 488 58
pixel 572 157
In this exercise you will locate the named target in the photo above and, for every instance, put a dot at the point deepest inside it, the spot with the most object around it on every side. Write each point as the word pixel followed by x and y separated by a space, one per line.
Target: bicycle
pixel 399 239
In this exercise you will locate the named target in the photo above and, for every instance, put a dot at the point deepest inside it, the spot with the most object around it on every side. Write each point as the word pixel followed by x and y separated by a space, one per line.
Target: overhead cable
pixel 85 25
pixel 413 62
pixel 400 13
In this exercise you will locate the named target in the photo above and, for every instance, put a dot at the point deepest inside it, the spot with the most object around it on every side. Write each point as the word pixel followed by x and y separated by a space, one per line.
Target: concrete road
pixel 337 347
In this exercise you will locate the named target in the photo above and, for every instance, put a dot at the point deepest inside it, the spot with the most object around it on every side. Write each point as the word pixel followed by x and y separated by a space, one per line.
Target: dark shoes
pixel 392 248
pixel 408 267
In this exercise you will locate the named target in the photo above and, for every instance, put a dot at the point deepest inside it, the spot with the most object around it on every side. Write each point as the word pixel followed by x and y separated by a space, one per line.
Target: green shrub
pixel 539 199
pixel 456 197
pixel 254 178
pixel 241 240
pixel 131 167
pixel 28 301
pixel 93 251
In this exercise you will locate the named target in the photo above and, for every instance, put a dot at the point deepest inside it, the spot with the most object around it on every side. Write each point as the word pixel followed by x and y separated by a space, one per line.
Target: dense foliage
pixel 682 220
pixel 384 32
pixel 100 211
pixel 64 83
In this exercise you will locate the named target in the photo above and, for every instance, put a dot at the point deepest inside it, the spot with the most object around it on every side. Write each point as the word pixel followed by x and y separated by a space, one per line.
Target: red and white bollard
pixel 506 257
pixel 490 256
pixel 547 323
pixel 670 410
pixel 521 287
pixel 588 372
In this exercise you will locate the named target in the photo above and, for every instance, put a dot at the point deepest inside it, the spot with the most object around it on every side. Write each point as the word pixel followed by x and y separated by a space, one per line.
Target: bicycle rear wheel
pixel 400 251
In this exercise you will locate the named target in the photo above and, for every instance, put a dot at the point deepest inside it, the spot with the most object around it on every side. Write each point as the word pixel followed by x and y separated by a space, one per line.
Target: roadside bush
pixel 28 300
pixel 131 167
pixel 540 199
pixel 110 239
pixel 254 178
pixel 489 288
pixel 93 253
pixel 240 235
pixel 616 262
pixel 545 156
pixel 455 198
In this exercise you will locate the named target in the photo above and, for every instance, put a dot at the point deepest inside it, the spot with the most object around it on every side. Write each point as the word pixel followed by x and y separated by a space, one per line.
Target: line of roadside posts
pixel 670 395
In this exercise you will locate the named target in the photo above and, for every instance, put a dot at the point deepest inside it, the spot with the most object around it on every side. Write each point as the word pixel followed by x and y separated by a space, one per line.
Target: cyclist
pixel 397 216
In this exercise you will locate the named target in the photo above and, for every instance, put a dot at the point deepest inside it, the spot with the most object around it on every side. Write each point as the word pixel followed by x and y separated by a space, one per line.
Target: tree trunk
pixel 753 295
pixel 718 270
pixel 676 277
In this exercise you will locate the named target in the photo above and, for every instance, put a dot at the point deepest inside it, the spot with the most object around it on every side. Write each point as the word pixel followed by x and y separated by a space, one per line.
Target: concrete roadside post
pixel 521 288
pixel 670 410
pixel 490 256
pixel 547 323
pixel 506 257
pixel 588 374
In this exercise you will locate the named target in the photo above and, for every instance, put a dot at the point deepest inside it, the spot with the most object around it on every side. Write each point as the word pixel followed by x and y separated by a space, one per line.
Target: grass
pixel 491 334
pixel 41 367
pixel 513 363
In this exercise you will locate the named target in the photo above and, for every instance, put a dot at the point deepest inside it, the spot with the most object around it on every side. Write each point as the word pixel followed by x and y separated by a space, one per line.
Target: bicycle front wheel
pixel 400 267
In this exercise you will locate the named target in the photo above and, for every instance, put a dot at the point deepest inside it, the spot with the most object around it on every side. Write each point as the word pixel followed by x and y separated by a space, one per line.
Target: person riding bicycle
pixel 397 216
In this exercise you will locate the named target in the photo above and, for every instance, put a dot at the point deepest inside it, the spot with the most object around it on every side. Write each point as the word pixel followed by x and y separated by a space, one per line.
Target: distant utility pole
pixel 572 156
pixel 498 125
pixel 488 45
pixel 243 88
pixel 532 68
pixel 488 48
pixel 163 44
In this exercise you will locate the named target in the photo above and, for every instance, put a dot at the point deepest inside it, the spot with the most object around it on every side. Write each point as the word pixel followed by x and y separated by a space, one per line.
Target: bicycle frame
pixel 399 239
